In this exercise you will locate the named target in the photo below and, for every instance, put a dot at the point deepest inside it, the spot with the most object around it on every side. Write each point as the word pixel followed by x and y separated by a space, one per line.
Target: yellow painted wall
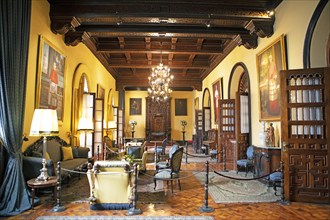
pixel 175 120
pixel 97 74
pixel 292 20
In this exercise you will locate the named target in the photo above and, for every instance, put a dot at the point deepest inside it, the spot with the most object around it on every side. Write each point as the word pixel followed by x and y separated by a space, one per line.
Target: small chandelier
pixel 159 81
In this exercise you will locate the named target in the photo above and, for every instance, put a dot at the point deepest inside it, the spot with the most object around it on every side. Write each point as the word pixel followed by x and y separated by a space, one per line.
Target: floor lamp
pixel 44 123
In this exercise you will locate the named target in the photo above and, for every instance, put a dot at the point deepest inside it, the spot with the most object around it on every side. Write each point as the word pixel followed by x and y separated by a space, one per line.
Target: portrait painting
pixel 180 107
pixel 50 78
pixel 217 94
pixel 135 106
pixel 270 62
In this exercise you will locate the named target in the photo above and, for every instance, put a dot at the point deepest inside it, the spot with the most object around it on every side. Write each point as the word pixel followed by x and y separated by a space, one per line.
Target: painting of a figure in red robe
pixel 50 88
pixel 269 63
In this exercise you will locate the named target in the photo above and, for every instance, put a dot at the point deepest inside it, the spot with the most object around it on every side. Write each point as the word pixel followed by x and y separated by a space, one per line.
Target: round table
pixel 51 182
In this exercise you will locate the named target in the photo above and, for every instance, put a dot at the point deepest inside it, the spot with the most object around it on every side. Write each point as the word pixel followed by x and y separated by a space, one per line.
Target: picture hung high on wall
pixel 135 106
pixel 217 94
pixel 270 61
pixel 180 107
pixel 50 78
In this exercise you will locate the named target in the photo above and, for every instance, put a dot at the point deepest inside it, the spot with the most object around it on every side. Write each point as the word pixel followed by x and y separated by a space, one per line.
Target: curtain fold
pixel 14 43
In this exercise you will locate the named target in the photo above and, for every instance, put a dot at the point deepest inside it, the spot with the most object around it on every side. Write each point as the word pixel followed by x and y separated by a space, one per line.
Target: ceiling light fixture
pixel 159 81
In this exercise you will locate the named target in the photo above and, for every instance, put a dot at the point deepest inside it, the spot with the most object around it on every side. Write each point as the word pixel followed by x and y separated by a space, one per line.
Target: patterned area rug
pixel 224 190
pixel 77 190
pixel 125 217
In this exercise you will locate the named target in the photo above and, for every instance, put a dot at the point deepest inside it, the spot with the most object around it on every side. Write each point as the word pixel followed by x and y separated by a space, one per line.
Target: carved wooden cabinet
pixel 158 120
pixel 266 160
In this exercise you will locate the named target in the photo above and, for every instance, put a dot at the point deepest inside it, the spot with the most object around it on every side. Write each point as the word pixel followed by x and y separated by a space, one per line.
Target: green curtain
pixel 14 42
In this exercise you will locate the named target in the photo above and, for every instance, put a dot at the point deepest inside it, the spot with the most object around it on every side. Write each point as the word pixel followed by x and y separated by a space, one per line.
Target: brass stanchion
pixel 58 207
pixel 134 210
pixel 206 208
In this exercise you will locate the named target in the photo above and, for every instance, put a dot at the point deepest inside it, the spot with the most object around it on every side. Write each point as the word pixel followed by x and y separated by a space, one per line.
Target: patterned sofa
pixel 111 185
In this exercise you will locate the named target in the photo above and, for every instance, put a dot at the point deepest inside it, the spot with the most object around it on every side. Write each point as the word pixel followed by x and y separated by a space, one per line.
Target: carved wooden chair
pixel 173 173
pixel 166 163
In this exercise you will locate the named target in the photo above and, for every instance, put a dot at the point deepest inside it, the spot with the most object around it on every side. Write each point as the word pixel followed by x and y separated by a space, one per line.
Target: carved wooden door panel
pixel 305 120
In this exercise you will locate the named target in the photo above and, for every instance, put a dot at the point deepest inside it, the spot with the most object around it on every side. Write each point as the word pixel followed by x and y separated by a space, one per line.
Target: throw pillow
pixel 75 152
pixel 67 153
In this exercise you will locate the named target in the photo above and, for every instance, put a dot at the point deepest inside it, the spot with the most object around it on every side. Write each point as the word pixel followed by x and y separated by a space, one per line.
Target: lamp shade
pixel 112 125
pixel 85 124
pixel 44 123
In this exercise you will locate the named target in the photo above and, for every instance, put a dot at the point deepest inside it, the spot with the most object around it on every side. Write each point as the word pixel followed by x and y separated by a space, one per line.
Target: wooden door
pixel 226 131
pixel 242 124
pixel 305 120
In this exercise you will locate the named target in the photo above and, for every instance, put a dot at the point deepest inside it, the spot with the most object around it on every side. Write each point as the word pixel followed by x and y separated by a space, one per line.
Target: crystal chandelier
pixel 159 81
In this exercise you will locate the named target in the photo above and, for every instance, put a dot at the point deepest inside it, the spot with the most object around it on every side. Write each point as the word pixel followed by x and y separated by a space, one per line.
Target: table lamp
pixel 44 123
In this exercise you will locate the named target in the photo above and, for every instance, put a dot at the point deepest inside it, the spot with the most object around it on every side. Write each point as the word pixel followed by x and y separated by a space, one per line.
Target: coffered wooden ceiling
pixel 130 37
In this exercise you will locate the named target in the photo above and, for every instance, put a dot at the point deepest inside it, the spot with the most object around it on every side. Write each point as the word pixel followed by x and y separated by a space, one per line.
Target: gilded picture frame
pixel 100 92
pixel 50 78
pixel 270 61
pixel 135 106
pixel 217 95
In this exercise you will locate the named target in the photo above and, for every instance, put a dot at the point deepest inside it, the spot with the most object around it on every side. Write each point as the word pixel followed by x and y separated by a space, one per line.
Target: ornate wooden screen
pixel 226 129
pixel 305 118
pixel 158 119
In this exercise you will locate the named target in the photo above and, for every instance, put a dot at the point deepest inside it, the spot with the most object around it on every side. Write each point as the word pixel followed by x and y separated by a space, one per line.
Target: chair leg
pixel 179 184
pixel 246 170
pixel 172 186
pixel 155 181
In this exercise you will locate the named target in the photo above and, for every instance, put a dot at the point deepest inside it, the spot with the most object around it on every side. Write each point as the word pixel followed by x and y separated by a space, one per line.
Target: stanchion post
pixel 224 158
pixel 58 207
pixel 134 210
pixel 206 208
pixel 282 201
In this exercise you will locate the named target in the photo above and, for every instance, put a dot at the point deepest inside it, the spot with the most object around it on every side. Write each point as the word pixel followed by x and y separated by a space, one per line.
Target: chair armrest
pixel 83 152
pixel 32 166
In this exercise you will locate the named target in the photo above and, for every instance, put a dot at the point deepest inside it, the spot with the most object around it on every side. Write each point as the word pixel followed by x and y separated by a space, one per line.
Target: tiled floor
pixel 189 200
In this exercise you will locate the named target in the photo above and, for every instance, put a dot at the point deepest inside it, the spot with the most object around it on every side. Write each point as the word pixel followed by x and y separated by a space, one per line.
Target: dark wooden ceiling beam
pixel 137 51
pixel 143 65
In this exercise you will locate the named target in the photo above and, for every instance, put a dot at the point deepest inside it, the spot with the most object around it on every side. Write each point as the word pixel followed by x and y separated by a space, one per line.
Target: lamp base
pixel 43 172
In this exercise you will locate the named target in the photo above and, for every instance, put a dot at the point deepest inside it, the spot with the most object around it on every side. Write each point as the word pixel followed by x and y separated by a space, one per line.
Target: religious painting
pixel 100 91
pixel 180 107
pixel 217 95
pixel 50 78
pixel 270 62
pixel 135 106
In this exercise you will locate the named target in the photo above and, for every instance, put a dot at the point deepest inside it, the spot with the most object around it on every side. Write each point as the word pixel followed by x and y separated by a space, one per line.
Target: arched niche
pixel 206 108
pixel 239 84
pixel 80 85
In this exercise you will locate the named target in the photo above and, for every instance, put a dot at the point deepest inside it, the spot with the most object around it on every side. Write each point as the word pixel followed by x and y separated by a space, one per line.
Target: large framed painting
pixel 50 78
pixel 217 94
pixel 135 106
pixel 270 61
pixel 180 107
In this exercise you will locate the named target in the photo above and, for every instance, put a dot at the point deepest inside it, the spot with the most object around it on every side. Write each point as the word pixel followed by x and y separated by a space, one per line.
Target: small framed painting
pixel 135 106
pixel 180 107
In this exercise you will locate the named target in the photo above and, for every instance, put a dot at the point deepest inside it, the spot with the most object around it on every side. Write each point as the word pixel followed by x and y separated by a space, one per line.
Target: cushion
pixel 75 152
pixel 134 151
pixel 67 153
pixel 54 150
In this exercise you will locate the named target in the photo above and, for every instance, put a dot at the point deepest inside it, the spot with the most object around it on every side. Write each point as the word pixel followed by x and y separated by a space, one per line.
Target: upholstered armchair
pixel 111 184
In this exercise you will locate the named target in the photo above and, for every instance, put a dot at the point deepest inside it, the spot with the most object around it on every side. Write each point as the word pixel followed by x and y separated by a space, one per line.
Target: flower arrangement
pixel 183 124
pixel 132 122
pixel 129 158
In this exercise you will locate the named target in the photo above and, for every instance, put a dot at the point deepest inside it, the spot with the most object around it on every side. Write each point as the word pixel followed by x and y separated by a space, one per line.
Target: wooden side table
pixel 51 182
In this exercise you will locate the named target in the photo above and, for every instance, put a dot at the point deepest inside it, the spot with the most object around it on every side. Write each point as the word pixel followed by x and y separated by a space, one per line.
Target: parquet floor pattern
pixel 188 202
